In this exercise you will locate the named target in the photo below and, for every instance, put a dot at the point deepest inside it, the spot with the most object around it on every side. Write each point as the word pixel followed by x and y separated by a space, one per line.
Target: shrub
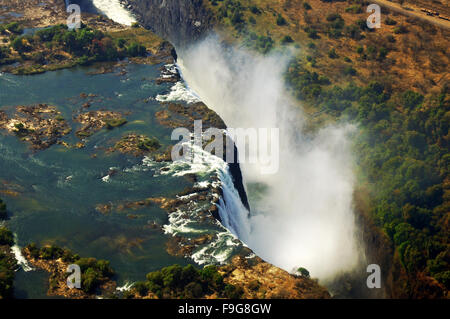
pixel 14 27
pixel 141 288
pixel 254 285
pixel 255 10
pixel 332 54
pixel 281 21
pixel 356 8
pixel 4 52
pixel 306 6
pixel 382 53
pixel 390 21
pixel 33 250
pixel 333 17
pixel 303 272
pixel 233 292
pixel 149 144
pixel 349 70
pixel 236 18
pixel 110 124
pixel 84 60
pixel 193 290
pixel 390 38
pixel 286 39
pixel 412 99
pixel 312 33
pixel 2 209
pixel 6 236
pixel 353 32
pixel 400 30
pixel 20 44
pixel 121 43
pixel 136 49
pixel 359 50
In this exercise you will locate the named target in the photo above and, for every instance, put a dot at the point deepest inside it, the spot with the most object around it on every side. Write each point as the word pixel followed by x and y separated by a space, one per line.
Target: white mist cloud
pixel 305 217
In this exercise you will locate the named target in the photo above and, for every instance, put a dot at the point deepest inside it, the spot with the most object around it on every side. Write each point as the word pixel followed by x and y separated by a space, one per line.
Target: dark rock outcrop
pixel 180 22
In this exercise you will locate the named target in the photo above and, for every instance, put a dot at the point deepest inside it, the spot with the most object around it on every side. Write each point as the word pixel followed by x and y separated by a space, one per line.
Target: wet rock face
pixel 181 22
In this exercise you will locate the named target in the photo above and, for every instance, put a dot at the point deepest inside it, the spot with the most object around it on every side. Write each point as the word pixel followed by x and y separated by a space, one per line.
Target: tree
pixel 136 49
pixel 280 20
pixel 121 43
pixel 233 292
pixel 20 44
pixel 141 288
pixel 287 39
pixel 193 290
pixel 412 99
pixel 4 52
pixel 14 27
pixel 6 237
pixel 303 272
pixel 2 209
pixel 236 18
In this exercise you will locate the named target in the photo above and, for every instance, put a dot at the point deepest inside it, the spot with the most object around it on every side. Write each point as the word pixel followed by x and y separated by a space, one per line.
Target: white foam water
pixel 218 251
pixel 114 10
pixel 305 217
pixel 20 258
pixel 126 286
pixel 230 206
pixel 179 93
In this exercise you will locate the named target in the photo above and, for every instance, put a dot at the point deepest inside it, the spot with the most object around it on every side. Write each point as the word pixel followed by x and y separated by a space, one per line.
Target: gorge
pixel 303 215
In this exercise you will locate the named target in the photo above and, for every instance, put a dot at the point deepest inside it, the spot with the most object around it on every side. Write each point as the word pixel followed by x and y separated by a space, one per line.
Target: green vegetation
pixel 402 119
pixel 356 8
pixel 401 29
pixel 332 54
pixel 6 237
pixel 287 39
pixel 7 260
pixel 3 213
pixel 81 47
pixel 303 272
pixel 93 272
pixel 136 49
pixel 149 144
pixel 404 155
pixel 187 282
pixel 281 20
pixel 335 25
pixel 390 21
pixel 110 124
pixel 13 27
pixel 7 264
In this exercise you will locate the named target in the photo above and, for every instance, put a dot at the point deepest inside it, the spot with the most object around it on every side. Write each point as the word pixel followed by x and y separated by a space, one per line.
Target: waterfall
pixel 303 217
pixel 232 211
pixel 113 9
